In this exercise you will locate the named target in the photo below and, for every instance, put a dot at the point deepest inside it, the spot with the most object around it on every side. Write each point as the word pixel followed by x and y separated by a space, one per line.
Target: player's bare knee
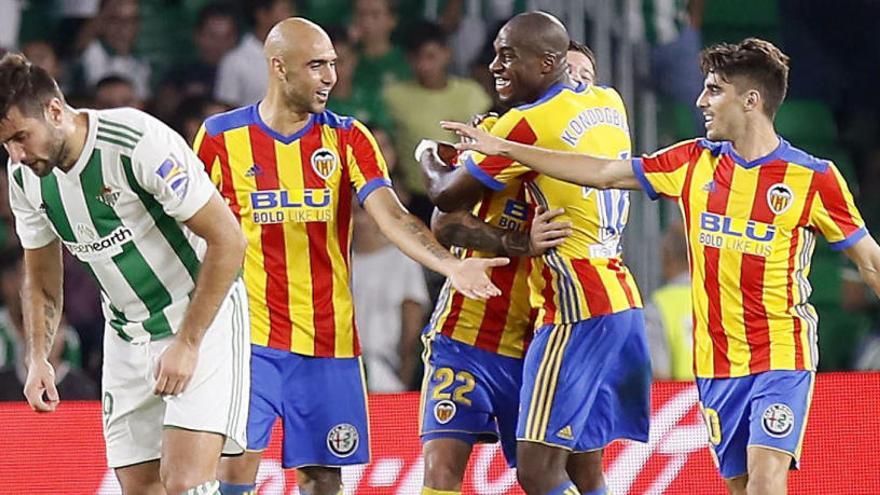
pixel 445 464
pixel 538 474
pixel 766 482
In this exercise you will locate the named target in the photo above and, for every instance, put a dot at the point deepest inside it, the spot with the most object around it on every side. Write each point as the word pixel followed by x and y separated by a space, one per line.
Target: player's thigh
pixel 325 412
pixel 737 485
pixel 319 480
pixel 726 407
pixel 132 413
pixel 216 399
pixel 456 393
pixel 768 470
pixel 564 369
pixel 780 408
pixel 140 479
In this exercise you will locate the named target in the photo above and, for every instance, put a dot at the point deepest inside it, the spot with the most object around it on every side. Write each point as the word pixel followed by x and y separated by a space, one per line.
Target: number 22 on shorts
pixel 444 379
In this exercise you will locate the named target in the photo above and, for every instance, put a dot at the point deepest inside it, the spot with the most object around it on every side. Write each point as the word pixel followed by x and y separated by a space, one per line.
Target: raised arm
pixel 41 297
pixel 450 189
pixel 571 167
pixel 412 237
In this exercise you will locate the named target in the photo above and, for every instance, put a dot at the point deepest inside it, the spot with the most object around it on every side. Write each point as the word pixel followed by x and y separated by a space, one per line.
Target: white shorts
pixel 216 399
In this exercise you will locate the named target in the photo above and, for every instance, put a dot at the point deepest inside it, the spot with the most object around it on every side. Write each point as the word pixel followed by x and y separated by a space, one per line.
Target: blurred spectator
pixel 72 383
pixel 856 297
pixel 389 297
pixel 242 75
pixel 672 29
pixel 479 71
pixel 108 43
pixel 115 92
pixel 348 98
pixel 192 112
pixel 417 106
pixel 215 35
pixel 10 21
pixel 42 54
pixel 581 63
pixel 668 315
pixel 380 62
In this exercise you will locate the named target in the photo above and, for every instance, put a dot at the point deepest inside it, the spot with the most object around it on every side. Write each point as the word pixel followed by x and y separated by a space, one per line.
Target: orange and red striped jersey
pixel 585 276
pixel 502 324
pixel 751 232
pixel 293 197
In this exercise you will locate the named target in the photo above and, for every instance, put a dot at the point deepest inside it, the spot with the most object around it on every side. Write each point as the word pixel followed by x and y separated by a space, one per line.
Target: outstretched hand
pixel 471 279
pixel 475 139
pixel 545 233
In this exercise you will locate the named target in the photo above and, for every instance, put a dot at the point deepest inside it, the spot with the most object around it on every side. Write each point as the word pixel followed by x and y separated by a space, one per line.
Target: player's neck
pixel 280 116
pixel 75 142
pixel 758 140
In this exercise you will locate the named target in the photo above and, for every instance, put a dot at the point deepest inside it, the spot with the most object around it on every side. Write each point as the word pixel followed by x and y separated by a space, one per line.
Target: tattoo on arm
pixel 473 233
pixel 50 311
pixel 418 229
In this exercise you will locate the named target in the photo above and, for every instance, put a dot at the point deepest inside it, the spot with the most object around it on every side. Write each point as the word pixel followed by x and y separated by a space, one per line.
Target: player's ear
pixel 54 111
pixel 278 67
pixel 549 62
pixel 752 100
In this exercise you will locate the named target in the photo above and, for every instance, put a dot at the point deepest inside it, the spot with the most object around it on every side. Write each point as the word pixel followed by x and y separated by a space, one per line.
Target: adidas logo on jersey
pixel 253 171
pixel 565 433
pixel 710 186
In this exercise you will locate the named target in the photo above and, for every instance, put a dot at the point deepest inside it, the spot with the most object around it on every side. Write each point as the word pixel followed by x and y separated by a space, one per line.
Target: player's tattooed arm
pixel 41 297
pixel 415 227
pixel 463 229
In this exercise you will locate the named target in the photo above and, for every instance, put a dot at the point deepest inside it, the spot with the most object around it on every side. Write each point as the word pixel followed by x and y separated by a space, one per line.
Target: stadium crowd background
pixel 405 65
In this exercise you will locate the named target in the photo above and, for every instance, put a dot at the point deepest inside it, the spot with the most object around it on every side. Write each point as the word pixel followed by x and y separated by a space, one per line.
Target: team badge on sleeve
pixel 343 440
pixel 779 198
pixel 174 174
pixel 777 420
pixel 324 162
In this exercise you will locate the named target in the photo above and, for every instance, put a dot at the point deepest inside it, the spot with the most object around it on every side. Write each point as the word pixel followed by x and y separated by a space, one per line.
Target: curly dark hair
pixel 25 86
pixel 754 60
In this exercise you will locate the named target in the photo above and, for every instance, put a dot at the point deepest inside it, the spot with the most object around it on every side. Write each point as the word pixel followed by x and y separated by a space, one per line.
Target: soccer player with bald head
pixel 586 374
pixel 289 170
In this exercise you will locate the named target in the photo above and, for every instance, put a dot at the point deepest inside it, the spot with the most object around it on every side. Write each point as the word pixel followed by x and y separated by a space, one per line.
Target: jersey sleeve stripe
pixel 850 241
pixel 638 168
pixel 365 151
pixel 371 187
pixel 479 174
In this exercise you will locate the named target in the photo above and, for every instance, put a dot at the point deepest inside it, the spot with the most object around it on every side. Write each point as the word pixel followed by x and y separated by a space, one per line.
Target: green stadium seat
pixel 806 121
pixel 731 21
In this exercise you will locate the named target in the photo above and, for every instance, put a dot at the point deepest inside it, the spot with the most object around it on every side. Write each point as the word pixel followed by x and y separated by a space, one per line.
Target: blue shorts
pixel 470 394
pixel 322 403
pixel 767 409
pixel 587 384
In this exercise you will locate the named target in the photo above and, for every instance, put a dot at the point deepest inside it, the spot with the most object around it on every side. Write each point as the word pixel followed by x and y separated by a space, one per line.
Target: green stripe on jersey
pixel 109 131
pixel 130 262
pixel 104 121
pixel 55 208
pixel 101 137
pixel 168 226
pixel 18 178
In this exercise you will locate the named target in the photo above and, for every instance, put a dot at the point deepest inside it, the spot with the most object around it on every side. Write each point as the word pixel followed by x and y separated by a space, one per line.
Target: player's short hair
pixel 25 86
pixel 756 60
pixel 113 80
pixel 577 46
pixel 422 33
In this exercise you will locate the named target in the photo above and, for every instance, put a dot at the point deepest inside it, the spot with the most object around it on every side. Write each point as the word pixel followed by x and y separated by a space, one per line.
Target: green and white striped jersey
pixel 120 210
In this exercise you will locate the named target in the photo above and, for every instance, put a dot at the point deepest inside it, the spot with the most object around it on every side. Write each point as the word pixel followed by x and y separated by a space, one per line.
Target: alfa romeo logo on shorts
pixel 777 420
pixel 343 440
pixel 444 411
